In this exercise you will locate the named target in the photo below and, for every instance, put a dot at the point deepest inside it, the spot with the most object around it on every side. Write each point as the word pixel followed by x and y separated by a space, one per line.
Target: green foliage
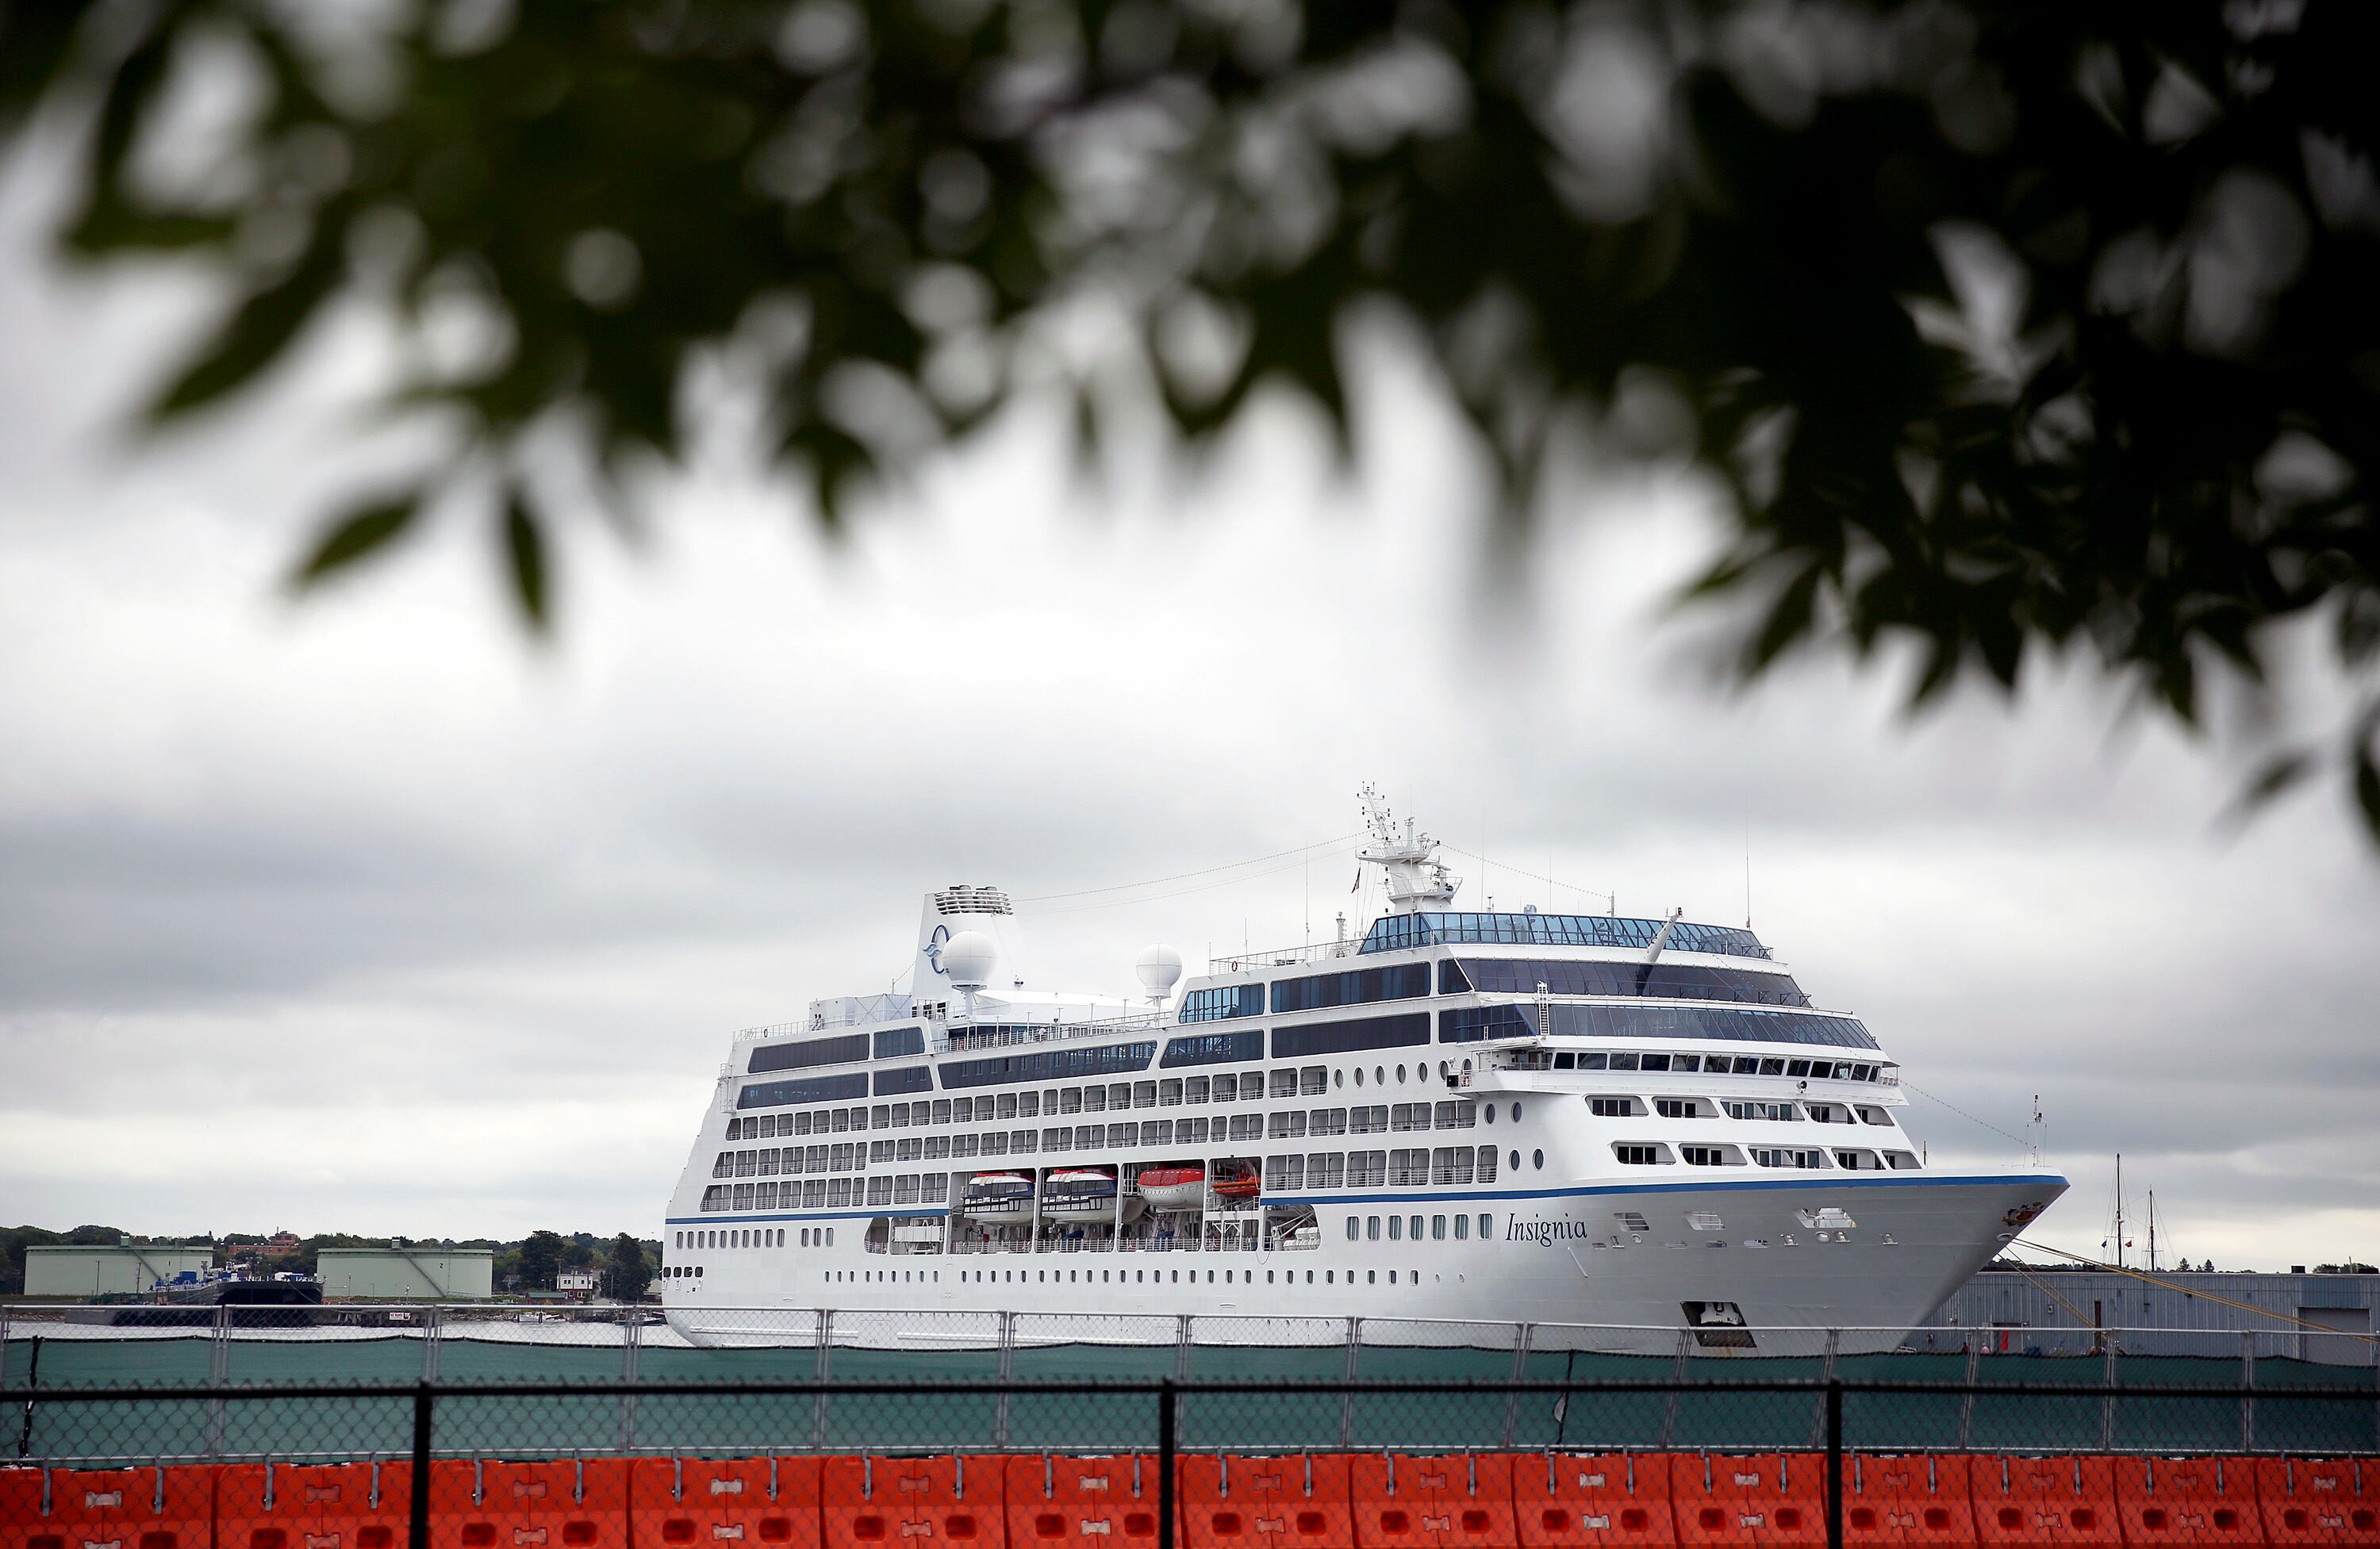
pixel 629 1270
pixel 2007 327
pixel 539 1260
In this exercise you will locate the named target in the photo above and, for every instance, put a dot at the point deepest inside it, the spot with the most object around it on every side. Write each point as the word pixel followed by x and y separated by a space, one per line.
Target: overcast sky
pixel 365 914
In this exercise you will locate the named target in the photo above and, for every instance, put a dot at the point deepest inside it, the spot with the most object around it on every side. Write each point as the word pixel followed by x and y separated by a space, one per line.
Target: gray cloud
pixel 461 924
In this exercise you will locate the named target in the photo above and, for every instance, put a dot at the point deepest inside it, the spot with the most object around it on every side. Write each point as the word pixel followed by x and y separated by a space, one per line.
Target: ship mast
pixel 1417 879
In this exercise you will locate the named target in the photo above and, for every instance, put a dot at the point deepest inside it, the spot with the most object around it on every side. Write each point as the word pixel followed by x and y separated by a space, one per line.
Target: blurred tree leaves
pixel 2009 327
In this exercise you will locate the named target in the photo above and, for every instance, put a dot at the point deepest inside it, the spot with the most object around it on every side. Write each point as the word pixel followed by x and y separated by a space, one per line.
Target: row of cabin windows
pixel 1610 1106
pixel 1410 1168
pixel 1405 1167
pixel 1689 1064
pixel 1310 1081
pixel 1150 1277
pixel 831 1193
pixel 1291 1124
pixel 1400 1227
pixel 740 1237
pixel 1654 1154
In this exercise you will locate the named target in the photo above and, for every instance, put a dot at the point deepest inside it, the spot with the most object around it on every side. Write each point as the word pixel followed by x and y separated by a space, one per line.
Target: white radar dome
pixel 1159 968
pixel 968 957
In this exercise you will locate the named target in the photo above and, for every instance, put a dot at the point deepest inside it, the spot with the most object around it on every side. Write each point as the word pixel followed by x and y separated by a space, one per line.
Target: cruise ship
pixel 1622 1133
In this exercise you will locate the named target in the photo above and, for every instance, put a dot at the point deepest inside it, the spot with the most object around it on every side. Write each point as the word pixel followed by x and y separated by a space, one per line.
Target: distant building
pixel 406 1274
pixel 66 1271
pixel 2327 1319
pixel 582 1282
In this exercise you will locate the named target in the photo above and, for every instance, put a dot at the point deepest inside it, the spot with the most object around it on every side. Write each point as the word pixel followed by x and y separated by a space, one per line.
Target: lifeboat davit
pixel 997 1196
pixel 1173 1188
pixel 1083 1195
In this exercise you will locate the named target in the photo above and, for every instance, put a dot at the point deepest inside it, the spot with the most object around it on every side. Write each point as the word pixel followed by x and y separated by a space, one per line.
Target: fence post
pixel 1834 1463
pixel 417 1529
pixel 1520 1375
pixel 818 1369
pixel 1007 1371
pixel 218 1373
pixel 2108 1404
pixel 1165 1406
pixel 1967 1398
pixel 1347 1394
pixel 1677 1389
pixel 632 1342
pixel 2247 1384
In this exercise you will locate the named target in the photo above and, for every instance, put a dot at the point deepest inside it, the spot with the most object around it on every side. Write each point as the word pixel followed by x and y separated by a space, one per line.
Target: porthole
pixel 1491 1113
pixel 1400 1075
pixel 1516 1160
pixel 1379 1075
pixel 1516 1113
pixel 1338 1078
pixel 1359 1075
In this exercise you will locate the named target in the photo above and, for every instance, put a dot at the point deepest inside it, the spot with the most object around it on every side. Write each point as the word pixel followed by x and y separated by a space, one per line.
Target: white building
pixel 579 1281
pixel 66 1271
pixel 421 1274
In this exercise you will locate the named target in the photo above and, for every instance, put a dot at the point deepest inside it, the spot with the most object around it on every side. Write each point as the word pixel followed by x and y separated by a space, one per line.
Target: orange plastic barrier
pixel 1758 1497
pixel 2188 1500
pixel 2330 1500
pixel 155 1507
pixel 529 1506
pixel 1899 1498
pixel 892 1500
pixel 1402 1501
pixel 2043 1503
pixel 707 1502
pixel 1229 1502
pixel 312 1506
pixel 1593 1498
pixel 1108 1502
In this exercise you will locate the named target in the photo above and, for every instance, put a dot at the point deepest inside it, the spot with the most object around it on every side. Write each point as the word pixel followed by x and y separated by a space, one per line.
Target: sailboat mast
pixel 2119 1210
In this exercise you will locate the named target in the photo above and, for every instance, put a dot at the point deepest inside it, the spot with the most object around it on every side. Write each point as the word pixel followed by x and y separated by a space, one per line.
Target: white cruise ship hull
pixel 1550 1262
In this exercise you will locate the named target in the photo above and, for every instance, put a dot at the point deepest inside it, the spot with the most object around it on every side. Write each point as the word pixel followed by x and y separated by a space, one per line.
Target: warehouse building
pixel 75 1270
pixel 2327 1318
pixel 406 1274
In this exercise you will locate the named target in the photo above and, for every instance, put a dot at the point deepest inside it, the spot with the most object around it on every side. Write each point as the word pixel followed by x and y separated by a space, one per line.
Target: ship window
pixel 1462 1229
pixel 1028 1105
pixel 1565 1061
pixel 1372 1227
pixel 1325 1169
pixel 1359 1075
pixel 1144 1093
pixel 1636 1155
pixel 1484 1167
pixel 1516 1159
pixel 1685 1062
pixel 1169 1093
pixel 1538 1161
pixel 1487 1227
pixel 1798 1067
pixel 1396 1228
pixel 1594 1062
pixel 1623 1061
pixel 1313 1080
pixel 1516 1113
pixel 1653 1062
pixel 1677 1107
pixel 1357 986
pixel 1350 1229
pixel 1609 1107
pixel 1356 1033
pixel 1004 1105
pixel 1769 1066
pixel 1400 1075
pixel 1874 1116
pixel 1491 1113
pixel 1284 1084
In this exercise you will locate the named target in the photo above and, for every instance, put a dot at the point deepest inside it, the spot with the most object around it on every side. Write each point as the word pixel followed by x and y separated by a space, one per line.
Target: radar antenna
pixel 1417 879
